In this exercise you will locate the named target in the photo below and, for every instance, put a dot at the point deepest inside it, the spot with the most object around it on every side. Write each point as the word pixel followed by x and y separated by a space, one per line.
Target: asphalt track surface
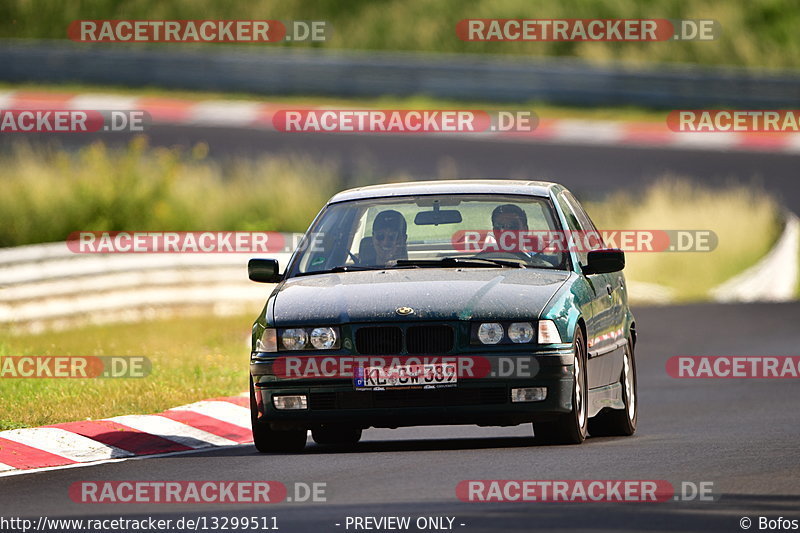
pixel 742 435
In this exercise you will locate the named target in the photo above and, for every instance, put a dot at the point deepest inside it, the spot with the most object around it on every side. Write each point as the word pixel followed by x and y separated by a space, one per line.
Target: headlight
pixel 294 338
pixel 268 342
pixel 548 332
pixel 490 333
pixel 520 332
pixel 323 338
pixel 319 338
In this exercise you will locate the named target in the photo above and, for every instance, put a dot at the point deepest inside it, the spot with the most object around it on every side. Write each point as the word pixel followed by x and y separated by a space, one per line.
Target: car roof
pixel 419 188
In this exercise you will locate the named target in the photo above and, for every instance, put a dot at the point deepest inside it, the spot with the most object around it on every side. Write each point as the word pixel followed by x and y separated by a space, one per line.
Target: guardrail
pixel 46 286
pixel 774 278
pixel 49 287
pixel 362 74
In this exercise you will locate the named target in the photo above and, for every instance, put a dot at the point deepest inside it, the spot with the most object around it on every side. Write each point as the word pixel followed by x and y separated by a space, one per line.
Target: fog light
pixel 298 401
pixel 530 394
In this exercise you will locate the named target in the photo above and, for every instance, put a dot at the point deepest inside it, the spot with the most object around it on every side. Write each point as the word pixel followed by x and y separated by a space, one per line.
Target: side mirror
pixel 604 261
pixel 264 270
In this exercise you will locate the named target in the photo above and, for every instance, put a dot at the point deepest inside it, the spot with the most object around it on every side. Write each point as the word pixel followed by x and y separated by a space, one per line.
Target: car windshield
pixel 428 231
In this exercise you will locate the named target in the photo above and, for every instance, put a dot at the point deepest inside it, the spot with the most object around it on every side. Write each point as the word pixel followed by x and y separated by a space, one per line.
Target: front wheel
pixel 570 428
pixel 268 440
pixel 620 422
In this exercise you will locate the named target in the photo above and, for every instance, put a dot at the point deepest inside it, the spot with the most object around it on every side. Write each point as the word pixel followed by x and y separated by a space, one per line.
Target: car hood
pixel 433 294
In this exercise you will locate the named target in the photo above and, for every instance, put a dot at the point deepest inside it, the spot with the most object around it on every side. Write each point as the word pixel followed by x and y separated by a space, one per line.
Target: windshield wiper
pixel 461 262
pixel 475 262
pixel 342 268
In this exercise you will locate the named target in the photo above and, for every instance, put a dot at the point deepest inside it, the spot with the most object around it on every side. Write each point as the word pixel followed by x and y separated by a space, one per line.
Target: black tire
pixel 570 428
pixel 620 422
pixel 268 440
pixel 336 436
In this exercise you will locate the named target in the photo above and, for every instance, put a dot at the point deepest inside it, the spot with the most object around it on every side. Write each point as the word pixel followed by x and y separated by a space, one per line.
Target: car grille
pixel 429 339
pixel 379 340
pixel 407 398
pixel 419 340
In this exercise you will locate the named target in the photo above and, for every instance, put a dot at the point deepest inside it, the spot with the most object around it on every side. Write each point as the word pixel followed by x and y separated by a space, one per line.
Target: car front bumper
pixel 476 400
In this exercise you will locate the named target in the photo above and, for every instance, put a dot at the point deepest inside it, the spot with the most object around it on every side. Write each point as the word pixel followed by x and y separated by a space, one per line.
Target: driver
pixel 509 217
pixel 389 237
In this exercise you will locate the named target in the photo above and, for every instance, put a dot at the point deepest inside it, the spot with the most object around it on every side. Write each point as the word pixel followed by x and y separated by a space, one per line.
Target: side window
pixel 572 220
pixel 583 216
pixel 572 223
pixel 578 220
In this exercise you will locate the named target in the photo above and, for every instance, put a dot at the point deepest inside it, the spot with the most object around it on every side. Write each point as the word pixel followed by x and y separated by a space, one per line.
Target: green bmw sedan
pixel 487 302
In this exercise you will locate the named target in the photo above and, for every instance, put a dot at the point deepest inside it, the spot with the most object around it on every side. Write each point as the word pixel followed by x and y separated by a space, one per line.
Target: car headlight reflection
pixel 490 333
pixel 323 338
pixel 505 333
pixel 294 338
pixel 520 332
pixel 316 338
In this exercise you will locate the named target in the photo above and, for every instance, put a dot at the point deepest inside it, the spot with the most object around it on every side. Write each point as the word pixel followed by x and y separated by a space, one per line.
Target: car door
pixel 605 342
pixel 596 313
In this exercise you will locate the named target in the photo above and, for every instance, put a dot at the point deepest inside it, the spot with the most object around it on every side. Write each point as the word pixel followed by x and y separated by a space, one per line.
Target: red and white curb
pixel 200 425
pixel 258 115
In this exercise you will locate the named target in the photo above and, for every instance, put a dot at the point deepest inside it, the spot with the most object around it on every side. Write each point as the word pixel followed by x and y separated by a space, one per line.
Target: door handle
pixel 609 290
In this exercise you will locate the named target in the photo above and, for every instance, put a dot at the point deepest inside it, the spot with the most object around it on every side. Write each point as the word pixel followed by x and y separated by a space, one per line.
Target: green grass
pixel 49 193
pixel 192 359
pixel 756 33
pixel 745 218
pixel 543 110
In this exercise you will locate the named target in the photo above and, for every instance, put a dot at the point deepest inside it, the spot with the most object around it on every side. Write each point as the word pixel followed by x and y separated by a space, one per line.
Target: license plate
pixel 422 376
